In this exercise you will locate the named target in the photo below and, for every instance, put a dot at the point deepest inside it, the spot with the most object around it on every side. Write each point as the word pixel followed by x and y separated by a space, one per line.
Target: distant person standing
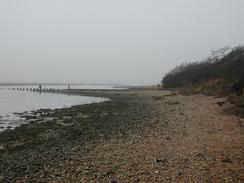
pixel 40 87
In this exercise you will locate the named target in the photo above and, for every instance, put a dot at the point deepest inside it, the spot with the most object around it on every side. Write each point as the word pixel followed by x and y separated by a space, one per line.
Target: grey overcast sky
pixel 111 41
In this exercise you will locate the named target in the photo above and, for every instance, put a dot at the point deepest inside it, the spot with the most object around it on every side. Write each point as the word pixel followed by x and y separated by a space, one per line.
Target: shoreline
pixel 139 136
pixel 65 128
pixel 13 118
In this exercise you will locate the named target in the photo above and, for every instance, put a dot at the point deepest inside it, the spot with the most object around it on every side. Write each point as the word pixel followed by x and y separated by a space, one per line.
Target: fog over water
pixel 111 41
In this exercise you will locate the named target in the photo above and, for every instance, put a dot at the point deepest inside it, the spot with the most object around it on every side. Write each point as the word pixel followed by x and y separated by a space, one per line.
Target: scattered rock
pixel 114 181
pixel 179 173
pixel 226 160
pixel 158 97
pixel 168 138
pixel 1 148
pixel 65 148
pixel 27 117
pixel 241 104
pixel 160 160
pixel 199 155
pixel 172 103
pixel 109 173
pixel 171 95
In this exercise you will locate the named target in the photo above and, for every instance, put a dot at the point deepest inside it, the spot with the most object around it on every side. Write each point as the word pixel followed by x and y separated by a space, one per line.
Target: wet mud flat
pixel 51 136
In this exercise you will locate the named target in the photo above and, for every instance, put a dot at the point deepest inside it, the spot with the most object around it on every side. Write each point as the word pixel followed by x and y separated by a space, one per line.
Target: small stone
pixel 226 160
pixel 160 160
pixel 156 172
pixel 167 138
pixel 114 181
pixel 1 147
pixel 109 173
pixel 179 173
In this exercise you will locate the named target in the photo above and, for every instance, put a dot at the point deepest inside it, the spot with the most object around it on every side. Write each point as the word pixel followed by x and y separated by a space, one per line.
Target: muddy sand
pixel 141 135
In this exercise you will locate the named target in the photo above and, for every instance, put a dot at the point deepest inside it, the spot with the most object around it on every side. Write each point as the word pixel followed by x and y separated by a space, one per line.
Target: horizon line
pixel 45 83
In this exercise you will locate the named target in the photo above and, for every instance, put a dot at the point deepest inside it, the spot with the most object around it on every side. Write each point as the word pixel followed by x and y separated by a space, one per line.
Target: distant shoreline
pixel 17 84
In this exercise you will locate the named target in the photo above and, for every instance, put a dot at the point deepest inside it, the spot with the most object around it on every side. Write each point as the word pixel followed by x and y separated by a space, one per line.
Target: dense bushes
pixel 223 65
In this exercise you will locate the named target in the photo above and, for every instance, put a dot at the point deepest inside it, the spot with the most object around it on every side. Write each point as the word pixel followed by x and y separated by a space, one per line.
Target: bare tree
pixel 217 55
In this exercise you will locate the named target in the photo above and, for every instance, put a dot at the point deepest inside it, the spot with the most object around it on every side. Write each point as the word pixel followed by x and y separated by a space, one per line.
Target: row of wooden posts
pixel 32 89
pixel 39 89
